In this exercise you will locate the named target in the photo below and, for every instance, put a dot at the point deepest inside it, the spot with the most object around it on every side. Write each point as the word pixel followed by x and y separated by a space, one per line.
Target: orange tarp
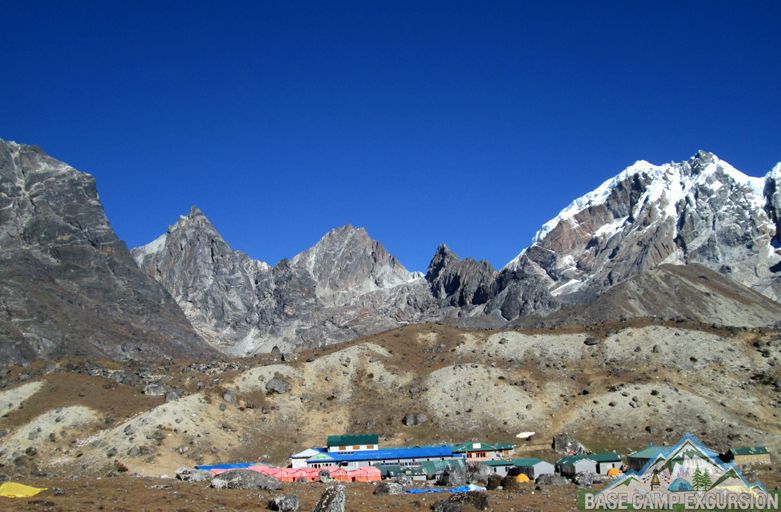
pixel 366 474
pixel 341 474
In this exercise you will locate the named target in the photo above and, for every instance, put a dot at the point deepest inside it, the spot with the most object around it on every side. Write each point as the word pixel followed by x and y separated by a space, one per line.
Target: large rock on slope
pixel 460 283
pixel 68 285
pixel 245 479
pixel 345 286
pixel 699 211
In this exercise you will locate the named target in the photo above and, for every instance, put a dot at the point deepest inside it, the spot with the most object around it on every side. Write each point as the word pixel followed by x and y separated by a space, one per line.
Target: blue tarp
pixel 238 465
pixel 416 452
pixel 463 488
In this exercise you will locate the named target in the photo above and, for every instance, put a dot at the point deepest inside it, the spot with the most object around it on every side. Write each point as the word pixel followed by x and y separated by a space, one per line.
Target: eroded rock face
pixel 68 285
pixel 460 283
pixel 699 211
pixel 345 286
pixel 332 500
pixel 245 479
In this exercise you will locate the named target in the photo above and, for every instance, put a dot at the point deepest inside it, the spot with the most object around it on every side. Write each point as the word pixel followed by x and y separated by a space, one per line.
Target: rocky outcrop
pixel 699 211
pixel 345 286
pixel 332 500
pixel 68 285
pixel 460 283
pixel 773 200
pixel 672 292
pixel 245 479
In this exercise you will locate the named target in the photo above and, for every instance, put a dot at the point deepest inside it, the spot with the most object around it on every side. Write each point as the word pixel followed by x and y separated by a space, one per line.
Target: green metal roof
pixel 596 457
pixel 518 463
pixel 492 463
pixel 413 471
pixel 527 462
pixel 483 447
pixel 749 450
pixel 353 439
pixel 432 467
pixel 389 470
pixel 651 452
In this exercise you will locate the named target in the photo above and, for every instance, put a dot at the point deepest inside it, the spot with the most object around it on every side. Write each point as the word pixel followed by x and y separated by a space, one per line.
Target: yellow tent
pixel 14 490
pixel 613 472
pixel 522 479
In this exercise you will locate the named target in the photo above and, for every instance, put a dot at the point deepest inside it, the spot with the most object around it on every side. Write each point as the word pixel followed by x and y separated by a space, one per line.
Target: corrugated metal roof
pixel 596 457
pixel 749 450
pixel 519 463
pixel 493 463
pixel 437 466
pixel 416 452
pixel 471 447
pixel 309 452
pixel 389 470
pixel 652 452
pixel 353 439
pixel 527 462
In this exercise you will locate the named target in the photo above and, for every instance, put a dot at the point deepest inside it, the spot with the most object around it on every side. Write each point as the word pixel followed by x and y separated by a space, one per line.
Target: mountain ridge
pixel 68 285
pixel 194 287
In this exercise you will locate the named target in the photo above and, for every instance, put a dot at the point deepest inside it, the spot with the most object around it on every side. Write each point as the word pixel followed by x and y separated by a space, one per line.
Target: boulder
pixel 477 473
pixel 287 503
pixel 325 476
pixel 229 396
pixel 456 502
pixel 192 475
pixel 414 419
pixel 587 479
pixel 387 487
pixel 154 389
pixel 552 480
pixel 494 482
pixel 332 500
pixel 452 476
pixel 245 479
pixel 471 473
pixel 403 480
pixel 278 385
pixel 583 479
pixel 566 443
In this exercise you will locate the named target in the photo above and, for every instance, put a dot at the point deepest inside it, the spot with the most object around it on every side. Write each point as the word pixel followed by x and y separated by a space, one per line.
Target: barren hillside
pixel 618 386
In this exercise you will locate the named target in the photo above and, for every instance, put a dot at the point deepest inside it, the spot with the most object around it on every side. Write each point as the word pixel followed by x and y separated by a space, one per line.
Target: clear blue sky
pixel 469 123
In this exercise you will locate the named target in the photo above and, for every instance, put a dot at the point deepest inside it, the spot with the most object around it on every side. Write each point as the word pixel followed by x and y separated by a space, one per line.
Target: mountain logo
pixel 688 477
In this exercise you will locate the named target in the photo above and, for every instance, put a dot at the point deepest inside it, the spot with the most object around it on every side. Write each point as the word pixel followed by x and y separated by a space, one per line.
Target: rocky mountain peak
pixel 460 283
pixel 702 159
pixel 699 211
pixel 443 257
pixel 347 258
pixel 62 264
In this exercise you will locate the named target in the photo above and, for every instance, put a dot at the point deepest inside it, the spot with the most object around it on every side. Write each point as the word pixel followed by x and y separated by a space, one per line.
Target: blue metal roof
pixel 418 452
pixel 237 465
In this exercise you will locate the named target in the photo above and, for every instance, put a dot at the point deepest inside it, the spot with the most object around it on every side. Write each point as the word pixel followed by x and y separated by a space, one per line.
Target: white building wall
pixel 542 468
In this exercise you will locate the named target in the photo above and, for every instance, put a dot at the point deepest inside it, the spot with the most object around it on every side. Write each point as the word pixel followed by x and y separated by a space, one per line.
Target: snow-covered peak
pixel 153 247
pixel 664 186
pixel 599 195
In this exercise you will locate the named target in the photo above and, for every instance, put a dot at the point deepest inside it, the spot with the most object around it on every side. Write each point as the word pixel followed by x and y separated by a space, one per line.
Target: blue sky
pixel 469 123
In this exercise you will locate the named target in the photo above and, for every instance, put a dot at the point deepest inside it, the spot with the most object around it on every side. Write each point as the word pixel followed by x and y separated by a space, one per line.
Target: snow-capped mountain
pixel 347 285
pixel 699 211
pixel 69 285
